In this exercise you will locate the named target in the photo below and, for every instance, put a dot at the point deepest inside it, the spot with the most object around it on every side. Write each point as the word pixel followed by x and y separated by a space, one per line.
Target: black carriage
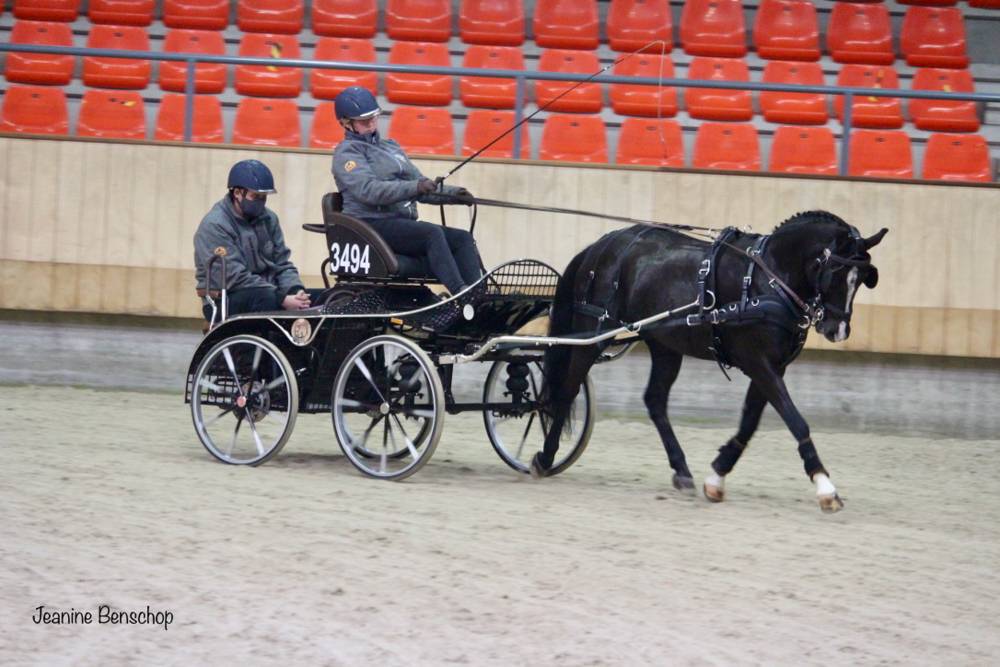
pixel 377 352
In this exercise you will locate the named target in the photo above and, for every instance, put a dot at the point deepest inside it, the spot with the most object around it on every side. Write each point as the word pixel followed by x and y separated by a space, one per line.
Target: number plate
pixel 350 258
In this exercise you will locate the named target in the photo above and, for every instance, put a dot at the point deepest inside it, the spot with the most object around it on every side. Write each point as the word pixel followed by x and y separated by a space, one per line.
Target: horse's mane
pixel 811 218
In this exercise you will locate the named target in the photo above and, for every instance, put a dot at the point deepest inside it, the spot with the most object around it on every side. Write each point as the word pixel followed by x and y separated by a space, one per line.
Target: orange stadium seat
pixel 638 100
pixel 880 154
pixel 47 10
pixel 326 132
pixel 718 104
pixel 957 157
pixel 492 93
pixel 41 68
pixel 934 37
pixel 574 138
pixel 786 30
pixel 196 14
pixel 868 111
pixel 929 3
pixel 807 108
pixel 584 99
pixel 327 83
pixel 117 72
pixel 278 16
pixel 713 28
pixel 729 146
pixel 425 130
pixel 496 22
pixel 985 4
pixel 34 110
pixel 484 125
pixel 804 150
pixel 263 122
pixel 206 120
pixel 944 115
pixel 633 24
pixel 345 18
pixel 860 33
pixel 208 77
pixel 566 24
pixel 121 12
pixel 650 141
pixel 428 89
pixel 267 80
pixel 418 20
pixel 112 114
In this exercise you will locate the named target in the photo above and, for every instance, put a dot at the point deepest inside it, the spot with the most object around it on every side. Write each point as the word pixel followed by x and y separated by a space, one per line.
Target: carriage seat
pixel 358 251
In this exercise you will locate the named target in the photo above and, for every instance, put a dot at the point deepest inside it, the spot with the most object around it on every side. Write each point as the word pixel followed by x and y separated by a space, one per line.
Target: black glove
pixel 463 196
pixel 426 186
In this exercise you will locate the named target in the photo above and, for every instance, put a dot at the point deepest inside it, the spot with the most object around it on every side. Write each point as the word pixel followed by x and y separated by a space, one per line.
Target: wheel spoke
pixel 524 437
pixel 256 437
pixel 368 376
pixel 232 369
pixel 426 414
pixel 236 433
pixel 218 417
pixel 275 382
pixel 211 386
pixel 409 443
pixel 256 361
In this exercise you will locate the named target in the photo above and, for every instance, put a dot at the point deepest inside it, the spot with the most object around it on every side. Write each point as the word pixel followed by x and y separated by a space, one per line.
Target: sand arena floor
pixel 106 497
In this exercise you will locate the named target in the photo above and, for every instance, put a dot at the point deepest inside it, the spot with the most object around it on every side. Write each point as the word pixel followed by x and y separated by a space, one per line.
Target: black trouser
pixel 253 300
pixel 451 253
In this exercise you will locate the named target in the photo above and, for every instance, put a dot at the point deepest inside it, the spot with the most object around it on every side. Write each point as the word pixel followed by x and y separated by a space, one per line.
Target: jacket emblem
pixel 350 165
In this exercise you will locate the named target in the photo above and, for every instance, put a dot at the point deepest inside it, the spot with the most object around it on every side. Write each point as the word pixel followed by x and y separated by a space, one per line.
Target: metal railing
pixel 520 76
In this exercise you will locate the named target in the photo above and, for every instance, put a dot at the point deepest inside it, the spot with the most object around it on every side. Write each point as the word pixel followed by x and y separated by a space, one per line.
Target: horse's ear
pixel 871 278
pixel 875 239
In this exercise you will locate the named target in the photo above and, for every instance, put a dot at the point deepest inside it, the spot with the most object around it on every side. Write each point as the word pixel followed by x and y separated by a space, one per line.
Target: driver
pixel 380 186
pixel 259 273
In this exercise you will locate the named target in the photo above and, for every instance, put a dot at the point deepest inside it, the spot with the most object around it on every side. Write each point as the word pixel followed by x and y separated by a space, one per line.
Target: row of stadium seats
pixel 576 138
pixel 625 99
pixel 783 29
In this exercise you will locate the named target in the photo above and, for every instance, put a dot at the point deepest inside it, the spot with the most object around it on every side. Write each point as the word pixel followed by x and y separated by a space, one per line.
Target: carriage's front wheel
pixel 517 419
pixel 388 407
pixel 244 400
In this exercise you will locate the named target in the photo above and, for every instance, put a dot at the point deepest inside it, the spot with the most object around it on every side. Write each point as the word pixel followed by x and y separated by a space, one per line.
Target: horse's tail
pixel 557 357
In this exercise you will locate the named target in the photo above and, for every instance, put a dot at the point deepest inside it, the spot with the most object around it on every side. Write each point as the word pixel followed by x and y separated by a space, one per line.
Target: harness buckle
pixel 693 320
pixel 706 268
pixel 746 281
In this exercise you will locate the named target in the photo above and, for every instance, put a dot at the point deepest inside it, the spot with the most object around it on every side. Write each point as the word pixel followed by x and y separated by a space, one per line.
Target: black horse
pixel 746 300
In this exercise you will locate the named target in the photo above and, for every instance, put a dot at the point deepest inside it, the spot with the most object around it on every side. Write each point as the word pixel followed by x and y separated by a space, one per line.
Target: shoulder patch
pixel 221 251
pixel 350 165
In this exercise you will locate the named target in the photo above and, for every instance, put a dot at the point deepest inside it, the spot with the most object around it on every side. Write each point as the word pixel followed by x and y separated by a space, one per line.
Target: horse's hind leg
pixel 729 453
pixel 666 365
pixel 566 369
pixel 772 385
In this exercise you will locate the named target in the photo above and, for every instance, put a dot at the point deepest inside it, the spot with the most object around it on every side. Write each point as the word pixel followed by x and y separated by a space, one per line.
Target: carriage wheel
pixel 387 407
pixel 518 430
pixel 244 400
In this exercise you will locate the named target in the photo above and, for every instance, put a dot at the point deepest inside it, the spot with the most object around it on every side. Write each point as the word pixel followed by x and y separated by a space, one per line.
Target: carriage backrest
pixel 355 248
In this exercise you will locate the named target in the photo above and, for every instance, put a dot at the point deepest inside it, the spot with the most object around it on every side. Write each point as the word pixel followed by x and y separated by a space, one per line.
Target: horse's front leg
pixel 772 385
pixel 729 453
pixel 666 364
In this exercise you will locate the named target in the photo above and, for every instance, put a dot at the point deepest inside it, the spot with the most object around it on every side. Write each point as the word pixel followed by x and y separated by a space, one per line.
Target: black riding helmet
pixel 355 103
pixel 252 175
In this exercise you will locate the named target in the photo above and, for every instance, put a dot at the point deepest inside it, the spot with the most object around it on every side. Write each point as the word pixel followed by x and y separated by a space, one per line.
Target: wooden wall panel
pixel 98 226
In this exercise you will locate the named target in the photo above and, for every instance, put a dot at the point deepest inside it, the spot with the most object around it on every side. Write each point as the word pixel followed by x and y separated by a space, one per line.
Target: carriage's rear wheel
pixel 387 407
pixel 244 400
pixel 517 429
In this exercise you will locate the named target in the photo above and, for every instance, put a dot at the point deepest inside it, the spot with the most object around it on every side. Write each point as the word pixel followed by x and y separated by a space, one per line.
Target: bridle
pixel 815 309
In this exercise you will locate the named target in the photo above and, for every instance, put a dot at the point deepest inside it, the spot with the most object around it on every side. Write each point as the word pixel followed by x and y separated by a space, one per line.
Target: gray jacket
pixel 376 178
pixel 255 250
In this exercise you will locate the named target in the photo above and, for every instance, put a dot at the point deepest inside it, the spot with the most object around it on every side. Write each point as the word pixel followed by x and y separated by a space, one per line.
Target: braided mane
pixel 811 217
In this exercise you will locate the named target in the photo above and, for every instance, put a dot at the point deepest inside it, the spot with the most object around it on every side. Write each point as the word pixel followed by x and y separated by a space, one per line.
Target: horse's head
pixel 836 274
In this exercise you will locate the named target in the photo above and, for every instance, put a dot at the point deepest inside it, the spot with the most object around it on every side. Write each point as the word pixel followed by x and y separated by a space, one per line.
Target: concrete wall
pixel 106 227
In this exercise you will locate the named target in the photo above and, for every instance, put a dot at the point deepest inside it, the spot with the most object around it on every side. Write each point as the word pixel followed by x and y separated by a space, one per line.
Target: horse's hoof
pixel 685 484
pixel 714 494
pixel 830 504
pixel 536 469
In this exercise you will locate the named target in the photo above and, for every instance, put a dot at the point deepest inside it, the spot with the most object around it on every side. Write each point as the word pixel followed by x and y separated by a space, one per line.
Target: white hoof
pixel 826 494
pixel 715 488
